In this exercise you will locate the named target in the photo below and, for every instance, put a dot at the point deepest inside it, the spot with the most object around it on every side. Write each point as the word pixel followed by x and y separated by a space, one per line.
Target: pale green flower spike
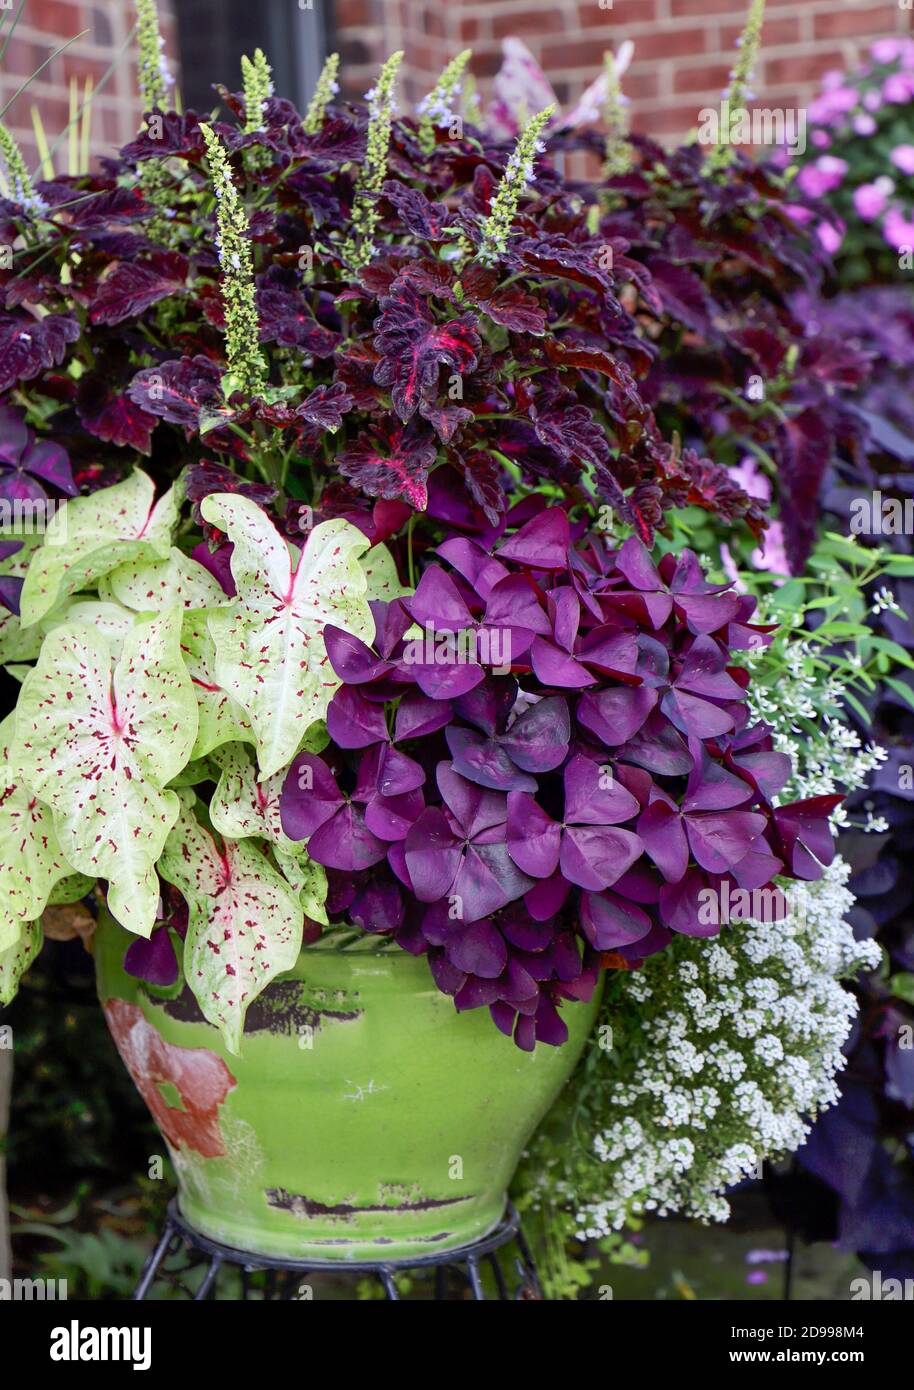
pixel 472 110
pixel 618 158
pixel 18 178
pixel 518 173
pixel 359 248
pixel 436 110
pixel 327 88
pixel 154 76
pixel 257 76
pixel 738 93
pixel 246 366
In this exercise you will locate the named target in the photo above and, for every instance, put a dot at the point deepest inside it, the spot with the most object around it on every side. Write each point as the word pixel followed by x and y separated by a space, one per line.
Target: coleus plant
pixel 551 777
pixel 146 741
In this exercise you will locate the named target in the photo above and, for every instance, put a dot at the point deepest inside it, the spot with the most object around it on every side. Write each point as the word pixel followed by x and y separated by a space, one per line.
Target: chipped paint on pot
pixel 364 1116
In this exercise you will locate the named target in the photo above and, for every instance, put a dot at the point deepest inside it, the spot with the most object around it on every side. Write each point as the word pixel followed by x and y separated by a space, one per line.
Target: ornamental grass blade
pixel 100 739
pixel 89 536
pixel 244 921
pixel 270 652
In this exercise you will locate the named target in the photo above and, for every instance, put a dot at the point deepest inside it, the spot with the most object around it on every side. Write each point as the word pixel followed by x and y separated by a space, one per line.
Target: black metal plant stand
pixel 181 1253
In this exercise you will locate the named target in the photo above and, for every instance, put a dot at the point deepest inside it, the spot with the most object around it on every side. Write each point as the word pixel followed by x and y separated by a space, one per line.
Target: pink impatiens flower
pixel 829 237
pixel 897 229
pixel 822 176
pixel 870 199
pixel 903 158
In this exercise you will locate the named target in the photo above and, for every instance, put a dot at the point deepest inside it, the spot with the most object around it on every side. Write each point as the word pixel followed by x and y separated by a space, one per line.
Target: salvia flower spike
pixel 739 91
pixel 327 88
pixel 618 151
pixel 242 328
pixel 365 215
pixel 436 111
pixel 518 174
pixel 18 178
pixel 258 88
pixel 154 77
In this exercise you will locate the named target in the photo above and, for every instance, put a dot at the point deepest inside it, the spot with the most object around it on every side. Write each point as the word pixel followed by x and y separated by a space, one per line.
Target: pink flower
pixel 822 176
pixel 863 124
pixel 747 475
pixel 797 213
pixel 886 50
pixel 897 229
pixel 872 100
pixel 771 555
pixel 870 200
pixel 829 237
pixel 898 87
pixel 903 158
pixel 821 139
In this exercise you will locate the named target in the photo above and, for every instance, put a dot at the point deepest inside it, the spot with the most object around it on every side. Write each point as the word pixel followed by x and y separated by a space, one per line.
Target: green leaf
pixel 31 859
pixel 270 653
pixel 901 689
pixel 902 986
pixel 98 739
pixel 70 890
pixel 16 645
pixel 154 586
pixel 89 536
pixel 244 922
pixel 381 575
pixel 16 959
pixel 241 807
pixel 308 880
pixel 220 719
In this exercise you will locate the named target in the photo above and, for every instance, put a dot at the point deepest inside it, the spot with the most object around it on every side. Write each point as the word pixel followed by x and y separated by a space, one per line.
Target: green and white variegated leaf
pixel 198 770
pixel 16 959
pixel 270 652
pixel 111 619
pixel 16 645
pixel 31 859
pixel 241 807
pixel 70 890
pixel 381 575
pixel 18 670
pixel 309 880
pixel 89 536
pixel 154 586
pixel 220 718
pixel 98 739
pixel 244 922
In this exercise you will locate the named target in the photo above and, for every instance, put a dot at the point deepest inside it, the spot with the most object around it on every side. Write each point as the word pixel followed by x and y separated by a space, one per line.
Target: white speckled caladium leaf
pixel 98 740
pixel 111 619
pixel 244 922
pixel 89 536
pixel 31 859
pixel 220 718
pixel 16 959
pixel 241 806
pixel 154 586
pixel 307 879
pixel 270 652
pixel 381 574
pixel 16 645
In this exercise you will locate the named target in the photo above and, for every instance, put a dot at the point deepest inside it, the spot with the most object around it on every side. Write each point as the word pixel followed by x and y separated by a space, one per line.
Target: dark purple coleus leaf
pixel 130 287
pixel 109 414
pixel 395 465
pixel 29 346
pixel 425 220
pixel 325 406
pixel 286 319
pixel 179 390
pixel 412 346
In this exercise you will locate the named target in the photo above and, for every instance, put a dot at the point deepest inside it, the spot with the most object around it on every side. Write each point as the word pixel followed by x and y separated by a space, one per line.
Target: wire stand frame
pixel 181 1252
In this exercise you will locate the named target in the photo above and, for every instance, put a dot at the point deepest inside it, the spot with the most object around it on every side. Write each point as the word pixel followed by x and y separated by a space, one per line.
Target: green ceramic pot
pixel 363 1116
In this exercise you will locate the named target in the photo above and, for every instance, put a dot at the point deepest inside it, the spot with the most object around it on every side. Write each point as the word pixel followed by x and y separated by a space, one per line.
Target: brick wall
pixel 44 25
pixel 683 48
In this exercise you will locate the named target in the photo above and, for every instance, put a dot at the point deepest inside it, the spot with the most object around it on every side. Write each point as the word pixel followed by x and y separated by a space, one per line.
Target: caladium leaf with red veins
pixel 154 586
pixel 241 808
pixel 178 391
pixel 31 860
pixel 219 718
pixel 270 653
pixel 89 536
pixel 98 741
pixel 130 287
pixel 412 346
pixel 244 922
pixel 16 959
pixel 397 467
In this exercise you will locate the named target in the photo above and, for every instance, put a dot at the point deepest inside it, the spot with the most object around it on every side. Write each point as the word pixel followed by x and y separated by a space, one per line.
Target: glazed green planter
pixel 364 1117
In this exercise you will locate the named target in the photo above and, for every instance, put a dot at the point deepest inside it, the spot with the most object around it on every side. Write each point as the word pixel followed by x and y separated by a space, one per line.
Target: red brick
pixel 671 43
pixel 775 32
pixel 530 23
pixel 805 67
pixel 840 23
pixel 623 12
pixel 703 78
pixel 469 28
pixel 691 9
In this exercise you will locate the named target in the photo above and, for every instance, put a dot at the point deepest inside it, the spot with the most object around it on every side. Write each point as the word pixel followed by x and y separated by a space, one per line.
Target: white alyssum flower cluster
pixel 724 1051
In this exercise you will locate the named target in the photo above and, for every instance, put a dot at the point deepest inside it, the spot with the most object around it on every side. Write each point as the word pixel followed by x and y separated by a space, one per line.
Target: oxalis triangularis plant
pixel 389 341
